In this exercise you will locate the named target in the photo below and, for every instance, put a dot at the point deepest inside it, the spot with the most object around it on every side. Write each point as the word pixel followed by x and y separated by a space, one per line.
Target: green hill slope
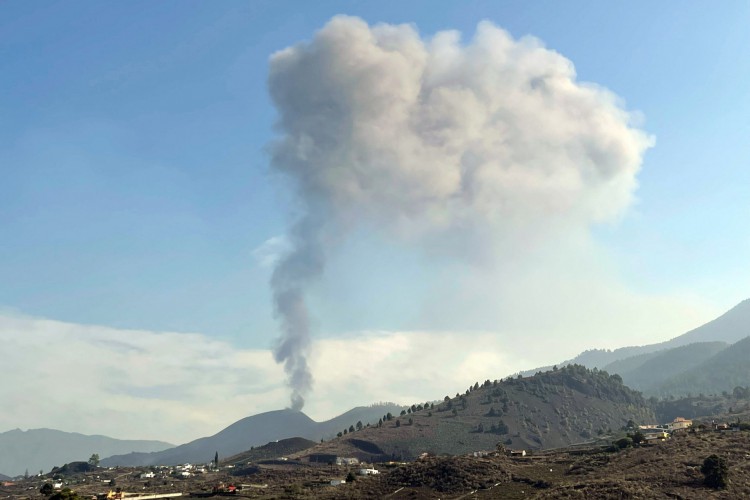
pixel 547 410
pixel 730 327
pixel 724 371
pixel 648 371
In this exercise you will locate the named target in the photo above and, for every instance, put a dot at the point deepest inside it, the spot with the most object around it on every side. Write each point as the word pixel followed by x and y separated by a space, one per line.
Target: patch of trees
pixel 592 382
pixel 495 428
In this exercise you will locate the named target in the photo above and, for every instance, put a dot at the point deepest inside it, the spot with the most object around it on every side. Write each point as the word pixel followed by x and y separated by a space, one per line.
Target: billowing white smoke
pixel 428 138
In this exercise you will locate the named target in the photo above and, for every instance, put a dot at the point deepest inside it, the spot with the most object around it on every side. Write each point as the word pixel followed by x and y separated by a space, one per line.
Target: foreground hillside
pixel 669 469
pixel 548 410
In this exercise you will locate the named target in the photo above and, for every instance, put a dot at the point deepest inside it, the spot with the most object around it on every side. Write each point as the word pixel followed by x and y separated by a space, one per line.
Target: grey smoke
pixel 426 139
pixel 290 277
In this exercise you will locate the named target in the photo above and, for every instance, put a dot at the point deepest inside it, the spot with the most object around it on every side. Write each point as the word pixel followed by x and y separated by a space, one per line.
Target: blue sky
pixel 135 182
pixel 137 196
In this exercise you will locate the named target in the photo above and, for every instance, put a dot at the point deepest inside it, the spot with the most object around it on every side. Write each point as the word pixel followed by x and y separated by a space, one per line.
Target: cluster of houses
pixel 183 470
pixel 352 461
pixel 347 461
pixel 660 432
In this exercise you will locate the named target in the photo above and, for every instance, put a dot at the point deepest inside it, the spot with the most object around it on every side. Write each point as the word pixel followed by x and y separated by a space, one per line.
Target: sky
pixel 147 198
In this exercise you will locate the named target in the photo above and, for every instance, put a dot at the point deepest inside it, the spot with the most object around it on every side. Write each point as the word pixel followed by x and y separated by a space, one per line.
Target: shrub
pixel 715 472
pixel 623 443
pixel 638 437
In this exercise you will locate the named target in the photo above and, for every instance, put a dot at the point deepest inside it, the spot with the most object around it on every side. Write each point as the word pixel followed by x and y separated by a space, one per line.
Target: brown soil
pixel 670 469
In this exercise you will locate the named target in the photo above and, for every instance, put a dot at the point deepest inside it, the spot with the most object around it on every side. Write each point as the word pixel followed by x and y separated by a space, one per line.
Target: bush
pixel 46 489
pixel 715 472
pixel 623 443
pixel 350 478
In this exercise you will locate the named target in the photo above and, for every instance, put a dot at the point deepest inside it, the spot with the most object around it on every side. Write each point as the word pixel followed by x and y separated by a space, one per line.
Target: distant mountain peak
pixel 41 449
pixel 255 430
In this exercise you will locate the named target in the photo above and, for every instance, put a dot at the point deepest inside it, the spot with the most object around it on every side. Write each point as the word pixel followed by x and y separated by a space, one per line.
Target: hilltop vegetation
pixel 553 409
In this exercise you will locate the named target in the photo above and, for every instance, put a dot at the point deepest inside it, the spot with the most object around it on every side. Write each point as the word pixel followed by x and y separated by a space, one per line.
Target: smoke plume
pixel 427 139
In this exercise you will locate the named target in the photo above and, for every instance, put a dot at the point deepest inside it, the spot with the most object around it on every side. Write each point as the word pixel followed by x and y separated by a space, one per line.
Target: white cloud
pixel 271 251
pixel 129 383
pixel 178 386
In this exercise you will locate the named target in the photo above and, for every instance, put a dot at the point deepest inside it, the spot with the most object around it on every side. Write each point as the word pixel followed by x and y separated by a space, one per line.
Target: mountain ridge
pixel 729 327
pixel 254 430
pixel 42 449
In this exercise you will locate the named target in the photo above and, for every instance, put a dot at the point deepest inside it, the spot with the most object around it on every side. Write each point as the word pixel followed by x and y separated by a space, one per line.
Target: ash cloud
pixel 425 139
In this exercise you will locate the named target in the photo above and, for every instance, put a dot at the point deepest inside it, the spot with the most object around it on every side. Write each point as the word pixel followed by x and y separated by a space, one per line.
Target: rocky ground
pixel 669 469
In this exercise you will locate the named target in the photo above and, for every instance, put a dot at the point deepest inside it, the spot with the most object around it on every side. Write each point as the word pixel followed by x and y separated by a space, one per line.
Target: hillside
pixel 670 469
pixel 647 372
pixel 270 451
pixel 252 431
pixel 42 449
pixel 724 371
pixel 547 410
pixel 729 405
pixel 730 327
